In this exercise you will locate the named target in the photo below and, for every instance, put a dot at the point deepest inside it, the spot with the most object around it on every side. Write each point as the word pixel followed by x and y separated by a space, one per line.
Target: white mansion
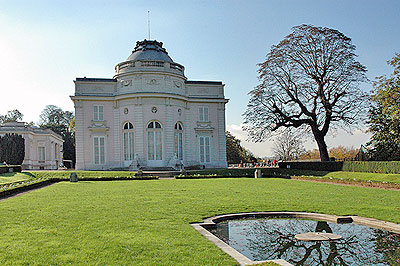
pixel 149 116
pixel 43 147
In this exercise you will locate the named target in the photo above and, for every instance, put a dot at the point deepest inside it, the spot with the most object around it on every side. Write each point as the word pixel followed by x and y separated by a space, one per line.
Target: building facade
pixel 43 147
pixel 149 115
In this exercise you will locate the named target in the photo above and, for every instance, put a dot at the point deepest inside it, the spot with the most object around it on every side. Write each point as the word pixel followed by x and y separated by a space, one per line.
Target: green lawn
pixel 83 174
pixel 9 178
pixel 366 177
pixel 357 177
pixel 147 222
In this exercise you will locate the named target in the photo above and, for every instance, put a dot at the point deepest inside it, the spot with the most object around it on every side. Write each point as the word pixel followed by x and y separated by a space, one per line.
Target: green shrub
pixel 236 172
pixel 316 166
pixel 6 168
pixel 240 172
pixel 89 175
pixel 12 149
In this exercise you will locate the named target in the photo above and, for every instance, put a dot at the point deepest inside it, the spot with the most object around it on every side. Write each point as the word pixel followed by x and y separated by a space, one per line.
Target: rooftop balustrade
pixel 131 65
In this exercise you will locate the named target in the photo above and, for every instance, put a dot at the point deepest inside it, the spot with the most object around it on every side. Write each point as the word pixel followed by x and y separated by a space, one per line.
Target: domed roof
pixel 148 50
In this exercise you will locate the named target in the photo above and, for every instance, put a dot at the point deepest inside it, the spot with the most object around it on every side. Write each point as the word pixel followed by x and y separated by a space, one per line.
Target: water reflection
pixel 274 239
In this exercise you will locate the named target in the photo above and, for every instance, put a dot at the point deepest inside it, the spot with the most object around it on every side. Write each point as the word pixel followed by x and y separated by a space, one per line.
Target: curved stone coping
pixel 211 222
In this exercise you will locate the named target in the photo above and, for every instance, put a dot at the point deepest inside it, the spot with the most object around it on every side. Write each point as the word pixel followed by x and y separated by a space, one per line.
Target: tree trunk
pixel 323 149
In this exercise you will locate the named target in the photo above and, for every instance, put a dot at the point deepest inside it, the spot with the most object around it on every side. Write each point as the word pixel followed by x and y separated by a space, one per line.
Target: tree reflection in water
pixel 275 239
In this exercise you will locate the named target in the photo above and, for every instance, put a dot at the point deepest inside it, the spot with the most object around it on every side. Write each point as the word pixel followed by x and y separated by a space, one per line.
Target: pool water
pixel 267 239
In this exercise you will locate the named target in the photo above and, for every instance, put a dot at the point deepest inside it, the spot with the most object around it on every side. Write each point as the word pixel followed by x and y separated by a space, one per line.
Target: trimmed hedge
pixel 392 167
pixel 316 166
pixel 6 168
pixel 384 167
pixel 90 175
pixel 235 172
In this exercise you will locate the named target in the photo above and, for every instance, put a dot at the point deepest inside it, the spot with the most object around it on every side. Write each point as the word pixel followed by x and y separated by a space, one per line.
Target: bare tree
pixel 309 80
pixel 288 145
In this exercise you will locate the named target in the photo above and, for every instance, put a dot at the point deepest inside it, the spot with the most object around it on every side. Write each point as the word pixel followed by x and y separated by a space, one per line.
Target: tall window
pixel 128 142
pixel 154 141
pixel 203 113
pixel 99 150
pixel 42 154
pixel 179 141
pixel 98 112
pixel 204 149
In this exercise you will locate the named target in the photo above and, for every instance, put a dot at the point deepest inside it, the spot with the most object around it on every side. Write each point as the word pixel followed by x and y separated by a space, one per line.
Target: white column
pixel 189 135
pixel 139 130
pixel 117 128
pixel 169 132
pixel 79 136
pixel 221 134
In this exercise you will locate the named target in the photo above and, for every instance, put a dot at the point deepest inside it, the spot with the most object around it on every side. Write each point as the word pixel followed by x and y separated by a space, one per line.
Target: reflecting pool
pixel 267 239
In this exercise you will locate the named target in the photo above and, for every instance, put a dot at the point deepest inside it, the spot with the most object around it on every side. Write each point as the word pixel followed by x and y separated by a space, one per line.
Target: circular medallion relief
pixel 126 111
pixel 154 109
pixel 179 111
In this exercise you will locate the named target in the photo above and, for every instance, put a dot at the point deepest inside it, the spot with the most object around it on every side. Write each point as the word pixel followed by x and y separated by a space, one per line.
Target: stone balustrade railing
pixel 132 64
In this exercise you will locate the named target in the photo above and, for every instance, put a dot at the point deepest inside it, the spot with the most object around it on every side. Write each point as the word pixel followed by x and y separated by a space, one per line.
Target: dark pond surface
pixel 268 239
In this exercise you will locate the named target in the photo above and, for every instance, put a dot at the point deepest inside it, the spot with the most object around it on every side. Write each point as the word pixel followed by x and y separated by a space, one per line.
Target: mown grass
pixel 364 177
pixel 148 222
pixel 282 172
pixel 83 174
pixel 8 178
pixel 358 177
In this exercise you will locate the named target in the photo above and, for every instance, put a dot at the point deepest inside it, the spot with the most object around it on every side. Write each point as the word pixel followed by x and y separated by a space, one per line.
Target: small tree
pixel 343 153
pixel 12 149
pixel 11 116
pixel 288 146
pixel 384 115
pixel 310 155
pixel 235 152
pixel 309 81
pixel 62 123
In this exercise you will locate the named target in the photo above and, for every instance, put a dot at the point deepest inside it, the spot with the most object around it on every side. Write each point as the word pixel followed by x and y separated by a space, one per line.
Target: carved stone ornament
pixel 126 111
pixel 154 109
pixel 127 83
pixel 180 111
pixel 153 82
pixel 177 84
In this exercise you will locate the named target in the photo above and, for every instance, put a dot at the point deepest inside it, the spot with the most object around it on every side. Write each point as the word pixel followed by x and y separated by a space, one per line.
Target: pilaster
pixel 169 132
pixel 117 128
pixel 79 135
pixel 189 138
pixel 221 133
pixel 139 130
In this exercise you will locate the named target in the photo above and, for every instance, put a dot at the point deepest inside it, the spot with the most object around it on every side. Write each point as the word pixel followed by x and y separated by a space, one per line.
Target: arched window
pixel 154 141
pixel 179 141
pixel 128 141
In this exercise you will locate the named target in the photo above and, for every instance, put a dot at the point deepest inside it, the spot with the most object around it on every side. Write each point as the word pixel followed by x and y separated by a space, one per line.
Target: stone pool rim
pixel 210 222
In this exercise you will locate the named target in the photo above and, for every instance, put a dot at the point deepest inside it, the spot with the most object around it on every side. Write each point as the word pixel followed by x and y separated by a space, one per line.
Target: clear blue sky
pixel 45 45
